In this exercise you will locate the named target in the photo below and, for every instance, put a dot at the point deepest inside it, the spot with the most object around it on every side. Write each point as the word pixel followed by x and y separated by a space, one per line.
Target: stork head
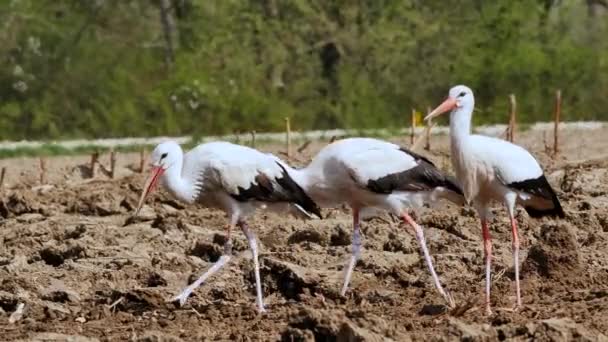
pixel 460 96
pixel 165 156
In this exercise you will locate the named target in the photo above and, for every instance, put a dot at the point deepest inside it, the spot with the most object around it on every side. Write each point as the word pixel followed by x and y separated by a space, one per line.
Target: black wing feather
pixel 540 187
pixel 287 191
pixel 423 177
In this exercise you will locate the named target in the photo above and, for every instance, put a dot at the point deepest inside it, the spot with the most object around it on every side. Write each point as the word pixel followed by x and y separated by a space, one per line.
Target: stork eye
pixel 164 155
pixel 462 94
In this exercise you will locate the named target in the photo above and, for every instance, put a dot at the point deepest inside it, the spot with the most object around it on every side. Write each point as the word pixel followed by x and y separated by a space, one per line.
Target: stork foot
pixel 488 310
pixel 183 296
pixel 448 298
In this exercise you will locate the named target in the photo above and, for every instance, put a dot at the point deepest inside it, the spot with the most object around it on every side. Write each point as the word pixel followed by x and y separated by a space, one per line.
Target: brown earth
pixel 84 273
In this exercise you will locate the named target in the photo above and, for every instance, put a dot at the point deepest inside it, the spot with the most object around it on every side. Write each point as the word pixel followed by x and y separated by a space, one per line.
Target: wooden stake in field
pixel 304 146
pixel 142 159
pixel 94 157
pixel 252 139
pixel 112 162
pixel 2 174
pixel 512 115
pixel 413 127
pixel 427 143
pixel 288 136
pixel 558 112
pixel 42 170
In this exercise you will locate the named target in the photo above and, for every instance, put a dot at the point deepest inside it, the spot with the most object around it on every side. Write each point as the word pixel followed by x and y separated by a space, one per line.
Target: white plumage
pixel 370 175
pixel 229 177
pixel 491 169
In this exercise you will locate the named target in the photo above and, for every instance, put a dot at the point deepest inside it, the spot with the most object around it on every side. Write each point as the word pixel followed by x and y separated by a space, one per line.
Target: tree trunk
pixel 169 32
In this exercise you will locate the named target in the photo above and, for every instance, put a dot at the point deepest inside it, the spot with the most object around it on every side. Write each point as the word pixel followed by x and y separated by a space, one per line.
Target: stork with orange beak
pixel 492 169
pixel 233 178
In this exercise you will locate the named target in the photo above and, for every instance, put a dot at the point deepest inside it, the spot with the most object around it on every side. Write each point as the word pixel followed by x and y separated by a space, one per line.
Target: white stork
pixel 370 174
pixel 229 177
pixel 493 169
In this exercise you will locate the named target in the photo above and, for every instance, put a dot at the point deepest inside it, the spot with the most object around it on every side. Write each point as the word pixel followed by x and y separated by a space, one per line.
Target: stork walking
pixel 232 178
pixel 492 169
pixel 370 174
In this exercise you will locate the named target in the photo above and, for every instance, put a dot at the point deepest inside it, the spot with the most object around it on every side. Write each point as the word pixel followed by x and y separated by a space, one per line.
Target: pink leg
pixel 256 265
pixel 487 247
pixel 222 261
pixel 356 251
pixel 516 259
pixel 427 258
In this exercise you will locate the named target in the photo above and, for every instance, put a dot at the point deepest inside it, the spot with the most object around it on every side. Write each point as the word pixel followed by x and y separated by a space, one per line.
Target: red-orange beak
pixel 151 182
pixel 448 105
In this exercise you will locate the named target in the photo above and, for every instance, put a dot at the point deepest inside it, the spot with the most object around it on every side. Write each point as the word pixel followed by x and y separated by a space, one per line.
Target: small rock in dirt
pixel 555 254
pixel 207 251
pixel 75 233
pixel 55 307
pixel 308 235
pixel 55 256
pixel 49 336
pixel 432 309
pixel 80 319
pixel 340 237
pixel 395 244
pixel 155 279
pixel 584 206
pixel 126 203
pixel 8 301
pixel 59 292
pixel 237 244
pixel 291 279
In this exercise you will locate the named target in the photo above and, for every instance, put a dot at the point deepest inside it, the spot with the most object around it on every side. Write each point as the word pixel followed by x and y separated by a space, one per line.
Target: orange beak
pixel 448 105
pixel 151 182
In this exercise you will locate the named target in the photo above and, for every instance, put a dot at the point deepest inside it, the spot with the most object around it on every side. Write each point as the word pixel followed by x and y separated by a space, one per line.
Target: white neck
pixel 180 187
pixel 460 123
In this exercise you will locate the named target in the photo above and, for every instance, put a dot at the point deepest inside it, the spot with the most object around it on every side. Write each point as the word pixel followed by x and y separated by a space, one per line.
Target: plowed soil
pixel 74 268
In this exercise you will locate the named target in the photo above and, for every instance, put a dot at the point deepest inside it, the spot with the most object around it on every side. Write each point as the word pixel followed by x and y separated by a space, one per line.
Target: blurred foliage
pixel 111 68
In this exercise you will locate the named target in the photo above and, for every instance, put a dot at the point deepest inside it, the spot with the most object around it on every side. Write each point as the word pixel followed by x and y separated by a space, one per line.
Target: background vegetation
pixel 111 68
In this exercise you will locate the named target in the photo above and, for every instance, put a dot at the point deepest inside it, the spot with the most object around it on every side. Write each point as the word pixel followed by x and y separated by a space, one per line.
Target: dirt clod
pixel 209 252
pixel 56 256
pixel 155 279
pixel 555 254
pixel 308 235
pixel 340 237
pixel 16 204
